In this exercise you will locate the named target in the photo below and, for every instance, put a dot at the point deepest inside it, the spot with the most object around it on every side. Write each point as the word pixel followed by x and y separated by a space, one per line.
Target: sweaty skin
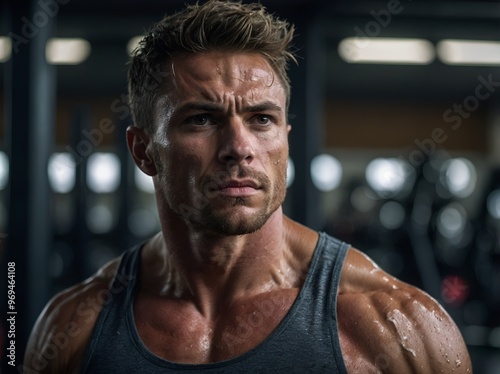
pixel 218 160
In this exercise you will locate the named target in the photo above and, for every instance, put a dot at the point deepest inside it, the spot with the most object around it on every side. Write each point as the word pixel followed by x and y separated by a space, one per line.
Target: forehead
pixel 214 73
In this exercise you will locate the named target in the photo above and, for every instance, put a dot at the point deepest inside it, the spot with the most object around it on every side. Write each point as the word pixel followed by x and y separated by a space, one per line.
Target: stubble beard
pixel 223 223
pixel 215 214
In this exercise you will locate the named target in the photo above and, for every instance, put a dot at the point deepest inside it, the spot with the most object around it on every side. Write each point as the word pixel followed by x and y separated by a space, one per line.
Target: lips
pixel 238 188
pixel 239 184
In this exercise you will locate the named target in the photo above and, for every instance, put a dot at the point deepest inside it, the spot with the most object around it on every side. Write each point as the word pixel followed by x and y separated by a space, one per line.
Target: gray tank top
pixel 306 340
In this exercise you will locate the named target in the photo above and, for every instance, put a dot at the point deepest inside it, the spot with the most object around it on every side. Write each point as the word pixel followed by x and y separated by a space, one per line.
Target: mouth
pixel 238 188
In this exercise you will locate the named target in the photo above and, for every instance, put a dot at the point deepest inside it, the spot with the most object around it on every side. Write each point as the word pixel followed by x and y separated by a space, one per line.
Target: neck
pixel 215 270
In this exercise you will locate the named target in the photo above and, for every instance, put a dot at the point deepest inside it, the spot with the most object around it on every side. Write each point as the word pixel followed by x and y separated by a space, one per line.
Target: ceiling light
pixel 469 52
pixel 5 48
pixel 386 51
pixel 67 51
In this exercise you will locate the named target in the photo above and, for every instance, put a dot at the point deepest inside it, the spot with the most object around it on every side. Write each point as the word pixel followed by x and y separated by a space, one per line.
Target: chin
pixel 238 224
pixel 238 220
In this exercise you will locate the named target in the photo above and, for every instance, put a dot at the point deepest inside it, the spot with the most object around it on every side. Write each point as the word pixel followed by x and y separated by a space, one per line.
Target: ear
pixel 138 144
pixel 288 128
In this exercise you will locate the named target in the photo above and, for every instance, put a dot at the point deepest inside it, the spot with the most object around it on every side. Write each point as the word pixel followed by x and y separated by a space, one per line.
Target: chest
pixel 175 330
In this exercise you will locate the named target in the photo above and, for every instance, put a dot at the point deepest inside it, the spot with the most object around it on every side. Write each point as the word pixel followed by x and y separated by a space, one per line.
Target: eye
pixel 199 120
pixel 263 119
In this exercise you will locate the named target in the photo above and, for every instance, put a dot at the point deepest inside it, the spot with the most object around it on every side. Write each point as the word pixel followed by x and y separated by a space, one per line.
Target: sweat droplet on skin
pixel 403 328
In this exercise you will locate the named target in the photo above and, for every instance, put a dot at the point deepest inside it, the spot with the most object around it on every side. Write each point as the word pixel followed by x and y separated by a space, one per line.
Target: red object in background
pixel 454 290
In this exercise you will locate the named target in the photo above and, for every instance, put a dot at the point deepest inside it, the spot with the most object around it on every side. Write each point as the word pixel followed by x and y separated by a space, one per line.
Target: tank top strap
pixel 333 252
pixel 326 266
pixel 128 272
pixel 332 261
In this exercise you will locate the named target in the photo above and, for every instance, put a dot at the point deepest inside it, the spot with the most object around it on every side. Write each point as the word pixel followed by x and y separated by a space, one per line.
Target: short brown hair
pixel 215 25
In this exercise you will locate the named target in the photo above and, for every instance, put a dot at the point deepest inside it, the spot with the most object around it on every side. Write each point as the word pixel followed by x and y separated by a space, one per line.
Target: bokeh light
pixel 61 172
pixel 103 172
pixel 326 172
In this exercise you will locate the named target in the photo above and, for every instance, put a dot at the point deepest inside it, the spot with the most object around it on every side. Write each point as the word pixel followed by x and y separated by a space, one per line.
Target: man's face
pixel 220 144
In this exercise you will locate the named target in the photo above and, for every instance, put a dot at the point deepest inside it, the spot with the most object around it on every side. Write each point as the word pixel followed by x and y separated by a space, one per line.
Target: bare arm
pixel 388 326
pixel 60 336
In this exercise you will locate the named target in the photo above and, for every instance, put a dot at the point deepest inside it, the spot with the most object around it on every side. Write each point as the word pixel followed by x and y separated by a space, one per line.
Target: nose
pixel 236 143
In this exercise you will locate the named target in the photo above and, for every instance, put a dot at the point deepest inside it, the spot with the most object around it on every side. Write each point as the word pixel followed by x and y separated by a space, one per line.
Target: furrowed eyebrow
pixel 201 107
pixel 262 107
pixel 211 107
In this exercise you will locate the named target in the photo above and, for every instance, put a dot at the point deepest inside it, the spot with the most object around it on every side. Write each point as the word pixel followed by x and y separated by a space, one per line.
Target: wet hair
pixel 217 25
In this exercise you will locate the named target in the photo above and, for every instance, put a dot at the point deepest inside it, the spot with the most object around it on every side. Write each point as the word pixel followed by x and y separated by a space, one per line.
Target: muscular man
pixel 231 285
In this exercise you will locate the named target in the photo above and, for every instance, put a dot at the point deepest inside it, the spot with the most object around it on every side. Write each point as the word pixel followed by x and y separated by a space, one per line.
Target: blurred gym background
pixel 395 145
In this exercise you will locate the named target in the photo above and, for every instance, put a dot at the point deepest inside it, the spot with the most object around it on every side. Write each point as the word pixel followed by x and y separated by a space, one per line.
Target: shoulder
pixel 63 329
pixel 390 326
